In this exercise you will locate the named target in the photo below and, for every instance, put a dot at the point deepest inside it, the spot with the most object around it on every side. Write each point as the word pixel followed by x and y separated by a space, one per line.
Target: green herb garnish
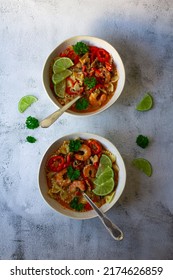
pixel 76 205
pixel 82 104
pixel 142 141
pixel 74 145
pixel 32 123
pixel 72 173
pixel 90 82
pixel 80 48
pixel 31 139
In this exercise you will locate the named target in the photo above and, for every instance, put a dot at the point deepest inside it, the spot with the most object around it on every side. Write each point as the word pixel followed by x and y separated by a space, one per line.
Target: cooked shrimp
pixel 104 73
pixel 89 171
pixel 61 178
pixel 86 153
pixel 77 185
pixel 96 99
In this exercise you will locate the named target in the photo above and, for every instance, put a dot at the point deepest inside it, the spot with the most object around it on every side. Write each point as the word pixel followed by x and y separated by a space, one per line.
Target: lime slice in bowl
pixel 143 165
pixel 25 102
pixel 105 188
pixel 146 103
pixel 105 161
pixel 62 64
pixel 60 89
pixel 104 176
pixel 58 77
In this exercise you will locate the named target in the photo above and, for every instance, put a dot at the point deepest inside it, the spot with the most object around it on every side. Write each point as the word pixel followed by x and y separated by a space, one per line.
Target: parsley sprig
pixel 32 122
pixel 76 205
pixel 72 173
pixel 74 145
pixel 80 48
pixel 82 104
pixel 142 141
pixel 90 82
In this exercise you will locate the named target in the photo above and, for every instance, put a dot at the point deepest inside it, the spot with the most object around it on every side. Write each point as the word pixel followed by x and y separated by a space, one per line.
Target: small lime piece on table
pixel 143 165
pixel 25 102
pixel 146 103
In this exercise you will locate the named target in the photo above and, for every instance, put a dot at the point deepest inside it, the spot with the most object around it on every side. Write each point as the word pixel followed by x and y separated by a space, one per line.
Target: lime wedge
pixel 60 89
pixel 58 77
pixel 146 103
pixel 144 165
pixel 104 176
pixel 25 102
pixel 62 64
pixel 110 197
pixel 105 161
pixel 105 188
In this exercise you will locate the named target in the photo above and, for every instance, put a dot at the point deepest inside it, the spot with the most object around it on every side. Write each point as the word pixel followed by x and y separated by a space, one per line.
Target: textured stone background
pixel 142 32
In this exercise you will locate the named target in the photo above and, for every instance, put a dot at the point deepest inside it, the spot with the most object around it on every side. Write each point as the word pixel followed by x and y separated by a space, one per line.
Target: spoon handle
pixel 54 116
pixel 115 232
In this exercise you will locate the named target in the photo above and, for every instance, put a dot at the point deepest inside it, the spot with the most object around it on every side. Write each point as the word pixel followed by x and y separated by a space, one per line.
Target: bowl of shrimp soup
pixel 77 163
pixel 86 66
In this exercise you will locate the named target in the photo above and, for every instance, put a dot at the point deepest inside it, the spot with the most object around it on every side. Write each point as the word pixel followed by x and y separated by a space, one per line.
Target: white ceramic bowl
pixel 90 41
pixel 43 182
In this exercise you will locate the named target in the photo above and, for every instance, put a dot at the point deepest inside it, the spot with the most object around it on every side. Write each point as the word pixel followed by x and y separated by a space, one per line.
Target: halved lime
pixel 62 64
pixel 60 89
pixel 58 77
pixel 105 161
pixel 105 188
pixel 144 165
pixel 25 102
pixel 146 103
pixel 104 176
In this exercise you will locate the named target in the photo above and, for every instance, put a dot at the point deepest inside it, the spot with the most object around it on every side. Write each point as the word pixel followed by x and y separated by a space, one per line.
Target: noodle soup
pixel 81 165
pixel 94 76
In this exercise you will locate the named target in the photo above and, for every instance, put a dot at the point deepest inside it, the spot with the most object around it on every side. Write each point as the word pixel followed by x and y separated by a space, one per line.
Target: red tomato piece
pixel 56 163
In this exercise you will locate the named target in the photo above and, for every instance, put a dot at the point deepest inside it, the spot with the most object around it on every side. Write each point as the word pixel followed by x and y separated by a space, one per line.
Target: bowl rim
pixel 109 103
pixel 105 207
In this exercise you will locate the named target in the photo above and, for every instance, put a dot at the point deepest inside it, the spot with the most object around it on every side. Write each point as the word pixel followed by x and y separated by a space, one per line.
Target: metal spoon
pixel 53 117
pixel 115 232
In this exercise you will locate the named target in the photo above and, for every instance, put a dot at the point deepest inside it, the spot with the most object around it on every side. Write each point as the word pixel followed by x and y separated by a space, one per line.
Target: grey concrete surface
pixel 142 32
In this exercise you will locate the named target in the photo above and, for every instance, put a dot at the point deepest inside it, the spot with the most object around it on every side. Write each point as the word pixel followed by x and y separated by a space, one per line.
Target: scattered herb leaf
pixel 31 139
pixel 76 205
pixel 73 174
pixel 90 82
pixel 82 104
pixel 32 123
pixel 80 48
pixel 142 141
pixel 74 145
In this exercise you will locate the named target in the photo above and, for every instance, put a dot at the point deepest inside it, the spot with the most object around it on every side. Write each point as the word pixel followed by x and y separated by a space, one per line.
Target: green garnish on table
pixel 32 122
pixel 142 141
pixel 31 139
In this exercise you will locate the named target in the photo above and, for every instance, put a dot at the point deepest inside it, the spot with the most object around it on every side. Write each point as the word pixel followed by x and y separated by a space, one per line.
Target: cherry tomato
pixel 56 163
pixel 95 146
